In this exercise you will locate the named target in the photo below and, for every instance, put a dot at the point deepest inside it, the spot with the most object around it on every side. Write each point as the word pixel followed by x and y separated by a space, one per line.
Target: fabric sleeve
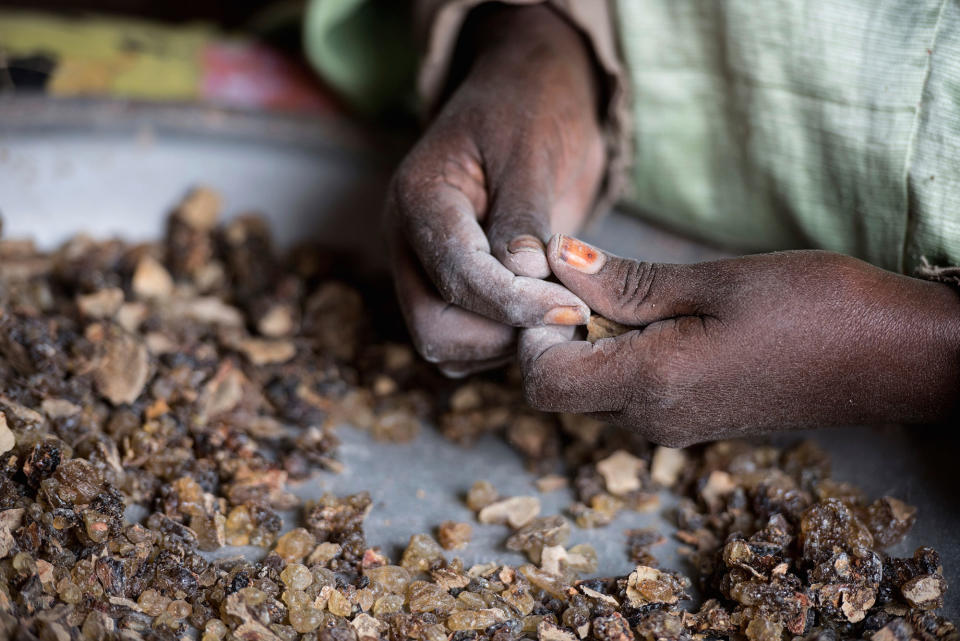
pixel 437 25
pixel 948 274
pixel 364 50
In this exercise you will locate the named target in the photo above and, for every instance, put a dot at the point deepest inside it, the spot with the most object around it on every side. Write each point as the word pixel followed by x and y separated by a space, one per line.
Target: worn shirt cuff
pixel 942 274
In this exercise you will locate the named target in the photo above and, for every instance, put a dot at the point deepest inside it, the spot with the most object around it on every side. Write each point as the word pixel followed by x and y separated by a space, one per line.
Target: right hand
pixel 515 155
pixel 747 345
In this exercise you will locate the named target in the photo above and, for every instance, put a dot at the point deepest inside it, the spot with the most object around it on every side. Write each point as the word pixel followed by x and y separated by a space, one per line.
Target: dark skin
pixel 726 348
pixel 747 345
pixel 514 155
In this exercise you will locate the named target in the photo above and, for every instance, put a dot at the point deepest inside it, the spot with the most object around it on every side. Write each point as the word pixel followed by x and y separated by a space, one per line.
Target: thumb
pixel 564 375
pixel 629 291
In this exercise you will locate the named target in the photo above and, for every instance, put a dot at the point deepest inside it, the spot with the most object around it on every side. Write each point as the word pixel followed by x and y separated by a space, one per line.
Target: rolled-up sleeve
pixel 949 274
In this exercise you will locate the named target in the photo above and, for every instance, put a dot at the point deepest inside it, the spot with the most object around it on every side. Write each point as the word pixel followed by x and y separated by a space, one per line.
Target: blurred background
pixel 248 53
pixel 228 14
pixel 154 50
pixel 111 109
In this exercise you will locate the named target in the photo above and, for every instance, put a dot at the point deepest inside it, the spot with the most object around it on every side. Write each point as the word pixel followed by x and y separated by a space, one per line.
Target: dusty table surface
pixel 417 485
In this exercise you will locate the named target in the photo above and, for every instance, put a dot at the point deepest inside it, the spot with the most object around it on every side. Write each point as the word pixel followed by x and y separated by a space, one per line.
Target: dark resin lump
pixel 156 400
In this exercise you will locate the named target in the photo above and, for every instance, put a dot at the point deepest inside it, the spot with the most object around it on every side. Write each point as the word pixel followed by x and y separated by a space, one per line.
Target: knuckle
pixel 515 314
pixel 406 192
pixel 440 337
pixel 638 279
pixel 405 183
pixel 442 270
pixel 426 348
pixel 460 283
pixel 449 284
pixel 437 346
pixel 428 339
pixel 437 350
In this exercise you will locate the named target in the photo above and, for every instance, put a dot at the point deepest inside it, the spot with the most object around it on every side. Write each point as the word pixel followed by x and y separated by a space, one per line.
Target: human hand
pixel 747 345
pixel 514 155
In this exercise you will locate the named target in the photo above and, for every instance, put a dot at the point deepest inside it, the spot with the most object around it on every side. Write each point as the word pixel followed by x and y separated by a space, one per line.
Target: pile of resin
pixel 195 377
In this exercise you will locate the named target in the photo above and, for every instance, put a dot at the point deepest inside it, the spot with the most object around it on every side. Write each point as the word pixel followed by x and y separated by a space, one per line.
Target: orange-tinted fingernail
pixel 579 255
pixel 565 316
pixel 525 243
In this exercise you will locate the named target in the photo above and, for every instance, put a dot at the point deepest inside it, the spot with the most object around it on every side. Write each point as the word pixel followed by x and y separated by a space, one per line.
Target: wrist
pixel 925 319
pixel 526 44
pixel 511 31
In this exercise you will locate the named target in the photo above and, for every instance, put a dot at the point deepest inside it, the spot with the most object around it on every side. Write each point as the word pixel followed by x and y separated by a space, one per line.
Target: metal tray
pixel 114 168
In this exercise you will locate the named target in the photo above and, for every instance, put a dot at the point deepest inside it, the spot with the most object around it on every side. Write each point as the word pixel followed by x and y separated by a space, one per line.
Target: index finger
pixel 445 334
pixel 441 226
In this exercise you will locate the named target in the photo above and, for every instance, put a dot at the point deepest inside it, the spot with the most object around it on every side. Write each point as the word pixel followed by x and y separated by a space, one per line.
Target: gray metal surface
pixel 415 486
pixel 418 485
pixel 114 168
pixel 72 168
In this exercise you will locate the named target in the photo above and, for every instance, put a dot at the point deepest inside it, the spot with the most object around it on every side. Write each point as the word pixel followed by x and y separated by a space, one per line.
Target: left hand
pixel 747 345
pixel 515 154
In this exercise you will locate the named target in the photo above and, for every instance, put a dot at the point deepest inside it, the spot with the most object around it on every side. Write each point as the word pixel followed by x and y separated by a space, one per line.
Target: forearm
pixel 886 347
pixel 498 41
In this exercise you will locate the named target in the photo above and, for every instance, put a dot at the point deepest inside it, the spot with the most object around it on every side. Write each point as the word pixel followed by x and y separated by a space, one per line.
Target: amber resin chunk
pixel 599 327
pixel 195 377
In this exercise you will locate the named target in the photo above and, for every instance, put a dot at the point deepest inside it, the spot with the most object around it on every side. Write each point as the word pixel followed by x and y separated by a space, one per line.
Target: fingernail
pixel 565 316
pixel 525 243
pixel 579 255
